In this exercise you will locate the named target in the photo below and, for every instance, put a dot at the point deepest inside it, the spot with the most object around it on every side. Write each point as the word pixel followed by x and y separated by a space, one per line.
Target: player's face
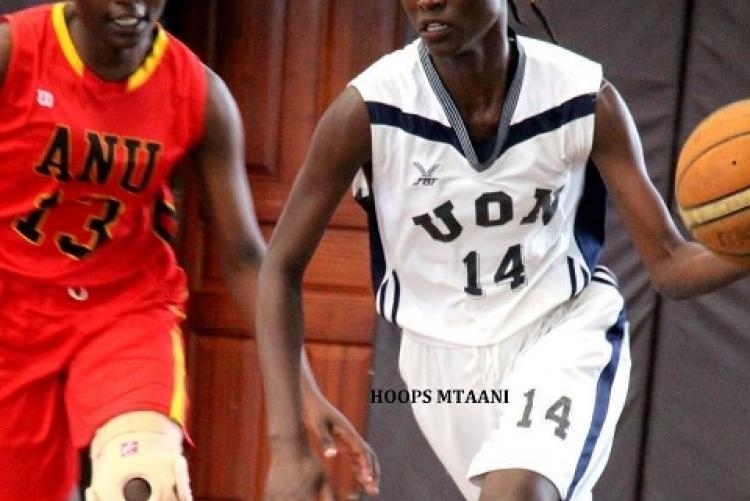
pixel 120 23
pixel 449 27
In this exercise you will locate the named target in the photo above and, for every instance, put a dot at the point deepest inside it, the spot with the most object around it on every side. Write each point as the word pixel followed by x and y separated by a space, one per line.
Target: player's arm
pixel 678 268
pixel 5 41
pixel 221 163
pixel 340 144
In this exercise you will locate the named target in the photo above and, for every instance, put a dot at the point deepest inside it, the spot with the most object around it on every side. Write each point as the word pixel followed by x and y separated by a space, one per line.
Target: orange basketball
pixel 712 182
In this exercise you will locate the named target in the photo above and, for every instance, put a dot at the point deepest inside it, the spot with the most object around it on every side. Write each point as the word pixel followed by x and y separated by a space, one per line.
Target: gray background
pixel 683 433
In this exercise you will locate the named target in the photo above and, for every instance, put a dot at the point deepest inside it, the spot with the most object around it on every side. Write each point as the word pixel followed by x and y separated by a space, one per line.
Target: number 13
pixel 30 227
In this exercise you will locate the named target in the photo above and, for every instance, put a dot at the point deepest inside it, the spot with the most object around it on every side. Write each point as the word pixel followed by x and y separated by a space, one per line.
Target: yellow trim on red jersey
pixel 178 407
pixel 137 78
pixel 142 74
pixel 63 36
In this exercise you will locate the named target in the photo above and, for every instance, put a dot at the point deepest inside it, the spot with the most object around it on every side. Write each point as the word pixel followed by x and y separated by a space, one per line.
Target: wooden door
pixel 284 61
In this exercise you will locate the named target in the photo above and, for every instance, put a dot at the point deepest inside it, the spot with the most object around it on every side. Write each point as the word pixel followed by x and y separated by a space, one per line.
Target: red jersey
pixel 84 163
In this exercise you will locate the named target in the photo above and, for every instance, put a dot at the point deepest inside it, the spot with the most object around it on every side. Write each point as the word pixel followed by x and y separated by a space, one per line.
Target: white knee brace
pixel 139 445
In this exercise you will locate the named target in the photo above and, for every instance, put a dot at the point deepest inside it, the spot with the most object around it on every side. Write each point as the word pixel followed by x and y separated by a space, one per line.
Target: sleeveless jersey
pixel 469 250
pixel 84 163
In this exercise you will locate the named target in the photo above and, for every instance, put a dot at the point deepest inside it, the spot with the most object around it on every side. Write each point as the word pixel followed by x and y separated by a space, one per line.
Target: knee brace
pixel 138 446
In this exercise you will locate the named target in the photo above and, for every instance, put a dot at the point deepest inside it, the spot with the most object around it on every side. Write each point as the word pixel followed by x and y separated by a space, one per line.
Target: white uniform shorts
pixel 566 379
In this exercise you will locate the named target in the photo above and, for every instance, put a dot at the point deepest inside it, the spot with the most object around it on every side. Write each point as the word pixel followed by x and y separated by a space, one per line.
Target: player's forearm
pixel 279 327
pixel 691 270
pixel 241 280
pixel 310 387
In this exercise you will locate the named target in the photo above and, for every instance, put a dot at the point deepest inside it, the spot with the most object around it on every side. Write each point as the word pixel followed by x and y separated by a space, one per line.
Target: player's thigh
pixel 454 424
pixel 517 485
pixel 567 393
pixel 131 361
pixel 37 459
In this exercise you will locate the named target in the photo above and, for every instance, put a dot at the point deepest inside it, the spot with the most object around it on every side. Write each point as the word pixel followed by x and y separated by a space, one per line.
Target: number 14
pixel 511 269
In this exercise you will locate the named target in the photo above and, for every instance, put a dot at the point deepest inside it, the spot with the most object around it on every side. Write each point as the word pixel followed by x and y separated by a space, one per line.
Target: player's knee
pixel 138 457
pixel 517 485
pixel 136 489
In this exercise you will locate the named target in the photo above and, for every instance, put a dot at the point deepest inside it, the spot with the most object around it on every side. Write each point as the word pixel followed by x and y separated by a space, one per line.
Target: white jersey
pixel 468 251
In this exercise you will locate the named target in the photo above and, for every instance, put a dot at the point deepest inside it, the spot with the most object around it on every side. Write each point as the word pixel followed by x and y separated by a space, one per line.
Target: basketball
pixel 712 182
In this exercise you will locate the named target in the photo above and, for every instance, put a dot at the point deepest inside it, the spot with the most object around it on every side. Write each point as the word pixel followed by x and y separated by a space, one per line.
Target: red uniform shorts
pixel 73 358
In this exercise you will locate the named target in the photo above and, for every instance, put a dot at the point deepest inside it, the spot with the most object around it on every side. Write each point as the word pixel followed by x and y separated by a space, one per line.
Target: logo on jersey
pixel 426 177
pixel 129 448
pixel 45 98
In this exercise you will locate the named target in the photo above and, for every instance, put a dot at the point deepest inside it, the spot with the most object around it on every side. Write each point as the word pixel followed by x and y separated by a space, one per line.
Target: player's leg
pixel 517 485
pixel 37 459
pixel 126 396
pixel 454 427
pixel 137 456
pixel 572 382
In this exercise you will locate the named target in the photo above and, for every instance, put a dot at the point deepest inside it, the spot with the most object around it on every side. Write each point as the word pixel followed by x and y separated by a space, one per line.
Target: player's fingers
pixel 326 441
pixel 369 471
pixel 365 462
pixel 374 486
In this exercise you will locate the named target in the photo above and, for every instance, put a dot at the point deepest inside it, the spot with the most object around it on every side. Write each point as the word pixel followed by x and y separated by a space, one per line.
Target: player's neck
pixel 477 78
pixel 106 61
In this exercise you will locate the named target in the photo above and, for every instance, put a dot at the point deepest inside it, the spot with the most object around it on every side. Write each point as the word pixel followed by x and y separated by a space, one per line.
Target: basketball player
pixel 486 158
pixel 97 104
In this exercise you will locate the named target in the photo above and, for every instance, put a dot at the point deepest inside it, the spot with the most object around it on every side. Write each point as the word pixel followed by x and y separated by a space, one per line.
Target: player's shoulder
pixel 187 74
pixel 37 14
pixel 558 69
pixel 396 62
pixel 20 34
pixel 176 44
pixel 176 50
pixel 391 71
pixel 553 55
pixel 28 24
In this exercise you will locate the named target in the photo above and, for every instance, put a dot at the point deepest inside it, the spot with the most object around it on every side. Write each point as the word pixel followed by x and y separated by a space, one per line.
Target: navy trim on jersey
pixel 396 297
pixel 426 128
pixel 432 130
pixel 588 228
pixel 615 335
pixel 377 254
pixel 381 297
pixel 603 281
pixel 549 120
pixel 573 280
pixel 604 276
pixel 603 270
pixel 586 276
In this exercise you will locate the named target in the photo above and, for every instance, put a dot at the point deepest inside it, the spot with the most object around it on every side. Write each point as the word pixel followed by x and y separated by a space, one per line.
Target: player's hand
pixel 332 430
pixel 296 476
